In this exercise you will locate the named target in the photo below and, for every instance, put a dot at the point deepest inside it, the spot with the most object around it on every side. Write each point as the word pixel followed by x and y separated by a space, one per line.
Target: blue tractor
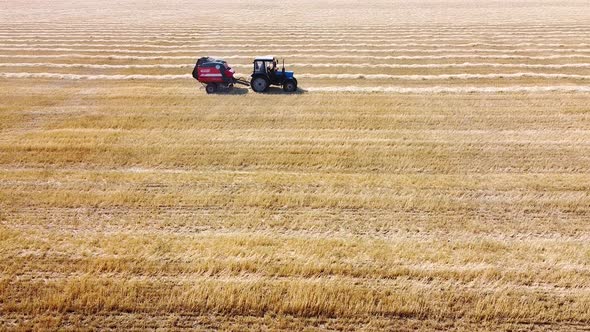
pixel 266 74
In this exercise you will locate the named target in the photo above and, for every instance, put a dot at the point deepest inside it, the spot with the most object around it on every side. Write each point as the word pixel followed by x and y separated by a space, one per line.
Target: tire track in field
pixel 339 50
pixel 307 65
pixel 310 76
pixel 90 43
pixel 226 39
pixel 446 89
pixel 249 34
pixel 444 76
pixel 318 56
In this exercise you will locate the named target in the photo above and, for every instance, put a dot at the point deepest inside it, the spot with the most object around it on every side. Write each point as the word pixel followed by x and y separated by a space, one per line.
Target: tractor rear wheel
pixel 290 86
pixel 259 84
pixel 211 88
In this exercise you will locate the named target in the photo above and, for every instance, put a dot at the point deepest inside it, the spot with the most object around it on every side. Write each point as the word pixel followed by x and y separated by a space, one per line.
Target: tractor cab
pixel 267 73
pixel 265 65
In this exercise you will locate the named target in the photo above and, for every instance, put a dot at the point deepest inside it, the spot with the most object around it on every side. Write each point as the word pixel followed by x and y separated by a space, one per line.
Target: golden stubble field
pixel 433 173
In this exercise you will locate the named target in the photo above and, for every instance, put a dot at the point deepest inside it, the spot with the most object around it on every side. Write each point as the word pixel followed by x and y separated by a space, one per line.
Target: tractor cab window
pixel 259 67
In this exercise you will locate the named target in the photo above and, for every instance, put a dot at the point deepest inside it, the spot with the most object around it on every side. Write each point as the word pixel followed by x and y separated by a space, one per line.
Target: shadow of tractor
pixel 271 91
pixel 275 90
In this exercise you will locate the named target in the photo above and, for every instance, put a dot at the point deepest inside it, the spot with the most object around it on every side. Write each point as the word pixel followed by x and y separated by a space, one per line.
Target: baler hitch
pixel 242 81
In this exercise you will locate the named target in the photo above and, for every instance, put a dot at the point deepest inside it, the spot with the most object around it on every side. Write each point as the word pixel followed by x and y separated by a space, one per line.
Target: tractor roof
pixel 264 58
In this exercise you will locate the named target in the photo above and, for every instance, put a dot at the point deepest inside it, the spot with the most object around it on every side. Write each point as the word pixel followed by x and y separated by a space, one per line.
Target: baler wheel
pixel 211 88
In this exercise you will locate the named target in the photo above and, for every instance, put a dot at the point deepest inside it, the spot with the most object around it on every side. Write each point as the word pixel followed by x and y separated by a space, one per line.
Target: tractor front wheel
pixel 290 86
pixel 211 88
pixel 259 84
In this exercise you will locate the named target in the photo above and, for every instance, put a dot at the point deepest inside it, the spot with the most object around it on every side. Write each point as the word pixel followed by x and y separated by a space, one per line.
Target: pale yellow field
pixel 452 192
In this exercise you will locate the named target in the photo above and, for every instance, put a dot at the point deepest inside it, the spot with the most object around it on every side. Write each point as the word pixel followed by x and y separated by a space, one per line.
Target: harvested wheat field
pixel 431 173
